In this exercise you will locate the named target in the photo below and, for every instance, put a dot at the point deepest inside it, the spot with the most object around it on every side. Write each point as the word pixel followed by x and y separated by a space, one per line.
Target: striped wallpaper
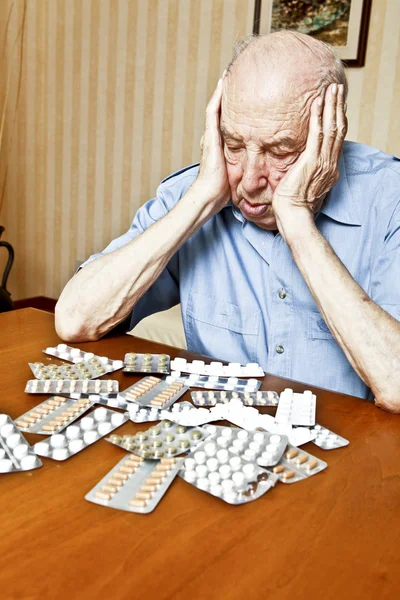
pixel 107 97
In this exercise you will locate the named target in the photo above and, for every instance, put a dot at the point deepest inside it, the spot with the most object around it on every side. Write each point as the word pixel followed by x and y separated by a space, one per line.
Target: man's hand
pixel 212 178
pixel 307 182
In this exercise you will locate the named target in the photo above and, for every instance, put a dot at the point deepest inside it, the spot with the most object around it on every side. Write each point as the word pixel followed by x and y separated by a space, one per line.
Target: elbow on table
pixel 72 327
pixel 389 401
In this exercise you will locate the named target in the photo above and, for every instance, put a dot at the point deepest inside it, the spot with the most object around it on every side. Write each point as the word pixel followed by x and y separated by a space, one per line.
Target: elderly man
pixel 282 247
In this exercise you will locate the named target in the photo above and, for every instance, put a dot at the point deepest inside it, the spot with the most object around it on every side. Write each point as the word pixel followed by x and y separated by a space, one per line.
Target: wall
pixel 107 97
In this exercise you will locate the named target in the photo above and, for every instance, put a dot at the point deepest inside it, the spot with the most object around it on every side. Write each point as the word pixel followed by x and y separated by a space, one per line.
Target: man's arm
pixel 368 335
pixel 104 292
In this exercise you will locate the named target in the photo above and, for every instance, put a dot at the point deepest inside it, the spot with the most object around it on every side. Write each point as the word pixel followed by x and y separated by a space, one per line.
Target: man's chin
pixel 264 221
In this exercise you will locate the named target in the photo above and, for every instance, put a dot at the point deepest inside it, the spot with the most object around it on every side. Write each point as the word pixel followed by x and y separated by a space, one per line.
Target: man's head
pixel 267 95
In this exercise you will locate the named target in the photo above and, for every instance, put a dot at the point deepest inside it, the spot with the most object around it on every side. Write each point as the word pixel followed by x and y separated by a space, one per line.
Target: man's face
pixel 264 124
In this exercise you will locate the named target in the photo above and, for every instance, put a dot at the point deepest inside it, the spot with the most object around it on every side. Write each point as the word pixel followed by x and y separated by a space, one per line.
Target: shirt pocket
pixel 223 330
pixel 317 328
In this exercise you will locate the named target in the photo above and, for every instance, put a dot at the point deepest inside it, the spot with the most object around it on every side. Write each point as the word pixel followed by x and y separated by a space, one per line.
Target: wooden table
pixel 335 535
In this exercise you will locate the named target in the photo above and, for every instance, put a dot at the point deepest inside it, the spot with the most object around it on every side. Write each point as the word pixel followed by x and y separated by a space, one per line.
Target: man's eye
pixel 233 149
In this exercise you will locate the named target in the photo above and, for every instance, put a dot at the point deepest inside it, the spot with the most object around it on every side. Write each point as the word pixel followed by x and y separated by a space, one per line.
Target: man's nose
pixel 255 174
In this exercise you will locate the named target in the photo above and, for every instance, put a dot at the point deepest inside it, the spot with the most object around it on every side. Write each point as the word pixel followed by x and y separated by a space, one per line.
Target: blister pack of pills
pixel 199 367
pixel 154 393
pixel 15 452
pixel 328 440
pixel 143 414
pixel 184 413
pixel 296 409
pixel 81 370
pixel 52 415
pixel 226 476
pixel 266 449
pixel 211 398
pixel 296 465
pixel 146 363
pixel 213 382
pixel 167 439
pixel 68 387
pixel 75 355
pixel 81 434
pixel 135 485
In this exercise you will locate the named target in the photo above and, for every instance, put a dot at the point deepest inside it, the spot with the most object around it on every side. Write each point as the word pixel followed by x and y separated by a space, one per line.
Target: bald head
pixel 267 95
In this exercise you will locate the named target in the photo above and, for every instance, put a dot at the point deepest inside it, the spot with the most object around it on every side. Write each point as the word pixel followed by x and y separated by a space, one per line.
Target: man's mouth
pixel 252 210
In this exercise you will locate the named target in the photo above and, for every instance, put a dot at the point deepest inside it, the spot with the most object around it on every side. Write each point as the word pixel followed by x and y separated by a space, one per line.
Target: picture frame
pixel 342 23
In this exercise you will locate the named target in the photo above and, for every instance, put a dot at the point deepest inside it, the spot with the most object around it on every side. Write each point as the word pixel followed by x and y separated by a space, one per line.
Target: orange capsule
pixel 292 453
pixel 288 475
pixel 311 465
pixel 143 495
pixel 301 459
pixel 103 495
pixel 138 503
pixel 278 469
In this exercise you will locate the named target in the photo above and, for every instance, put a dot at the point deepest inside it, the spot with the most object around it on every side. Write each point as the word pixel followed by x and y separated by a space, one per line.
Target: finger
pixel 329 126
pixel 341 123
pixel 213 108
pixel 315 134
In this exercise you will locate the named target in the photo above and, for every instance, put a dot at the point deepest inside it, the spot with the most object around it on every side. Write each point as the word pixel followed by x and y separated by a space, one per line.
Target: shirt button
pixel 280 349
pixel 282 294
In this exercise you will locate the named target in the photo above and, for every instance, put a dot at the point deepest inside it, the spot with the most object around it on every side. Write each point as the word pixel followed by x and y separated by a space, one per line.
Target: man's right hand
pixel 213 178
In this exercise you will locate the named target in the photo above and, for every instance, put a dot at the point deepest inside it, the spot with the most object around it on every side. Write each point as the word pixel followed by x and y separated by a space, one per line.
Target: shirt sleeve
pixel 385 280
pixel 164 293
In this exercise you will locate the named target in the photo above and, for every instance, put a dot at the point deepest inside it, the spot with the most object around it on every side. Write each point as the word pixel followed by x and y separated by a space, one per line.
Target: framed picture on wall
pixel 341 23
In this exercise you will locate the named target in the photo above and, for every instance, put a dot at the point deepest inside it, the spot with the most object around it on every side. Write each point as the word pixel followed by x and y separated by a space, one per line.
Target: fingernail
pixel 334 89
pixel 224 73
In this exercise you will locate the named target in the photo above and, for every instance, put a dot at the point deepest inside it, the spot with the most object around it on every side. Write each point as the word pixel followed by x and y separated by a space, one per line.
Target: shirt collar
pixel 338 204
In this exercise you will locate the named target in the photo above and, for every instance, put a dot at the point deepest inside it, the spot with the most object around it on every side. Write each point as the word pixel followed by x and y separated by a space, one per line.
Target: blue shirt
pixel 242 296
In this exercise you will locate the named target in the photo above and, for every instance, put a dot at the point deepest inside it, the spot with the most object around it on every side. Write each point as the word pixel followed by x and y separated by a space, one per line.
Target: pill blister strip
pixel 167 439
pixel 76 355
pixel 226 476
pixel 52 415
pixel 266 449
pixel 212 398
pixel 296 409
pixel 81 434
pixel 66 386
pixel 135 485
pixel 296 465
pixel 152 392
pixel 328 440
pixel 215 383
pixel 144 414
pixel 15 452
pixel 184 413
pixel 110 400
pixel 82 370
pixel 146 363
pixel 217 368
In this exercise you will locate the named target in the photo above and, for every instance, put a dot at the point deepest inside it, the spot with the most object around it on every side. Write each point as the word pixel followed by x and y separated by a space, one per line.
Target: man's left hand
pixel 315 172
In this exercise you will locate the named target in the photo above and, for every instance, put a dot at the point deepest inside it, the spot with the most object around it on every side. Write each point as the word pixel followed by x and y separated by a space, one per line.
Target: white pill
pixel 90 436
pixel 235 463
pixel 88 355
pixel 203 483
pixel 72 432
pixel 5 465
pixel 223 441
pixel 227 484
pixel 275 439
pixel 190 464
pixel 214 477
pixel 270 448
pixel 227 432
pixel 249 453
pixel 230 495
pixel 199 457
pixel 210 448
pixel 238 479
pixel 235 450
pixel 212 464
pixel 87 423
pixel 238 444
pixel 6 430
pixel 104 428
pixel 13 440
pixel 201 471
pixel 211 429
pixel 20 451
pixel 190 475
pixel 258 436
pixel 133 408
pixel 265 458
pixel 249 470
pixel 225 471
pixel 242 434
pixel 100 414
pixel 333 437
pixel 3 419
pixel 255 446
pixel 60 453
pixel 223 455
pixel 75 445
pixel 41 448
pixel 75 352
pixel 216 489
pixel 58 440
pixel 28 462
